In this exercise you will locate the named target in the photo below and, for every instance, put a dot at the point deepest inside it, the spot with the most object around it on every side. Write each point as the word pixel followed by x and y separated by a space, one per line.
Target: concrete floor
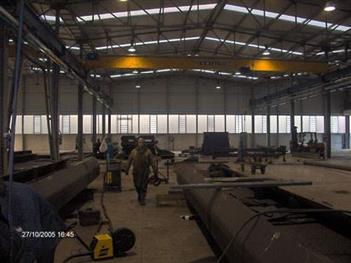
pixel 161 235
pixel 330 187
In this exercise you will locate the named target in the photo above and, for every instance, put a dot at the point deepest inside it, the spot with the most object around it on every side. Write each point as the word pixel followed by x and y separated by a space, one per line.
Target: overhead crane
pixel 205 63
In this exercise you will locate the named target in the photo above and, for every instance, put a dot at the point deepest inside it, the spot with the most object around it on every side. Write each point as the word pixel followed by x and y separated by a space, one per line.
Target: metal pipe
pixel 224 216
pixel 62 186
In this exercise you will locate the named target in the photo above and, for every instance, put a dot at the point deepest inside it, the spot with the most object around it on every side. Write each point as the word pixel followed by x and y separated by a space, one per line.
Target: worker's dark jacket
pixel 142 159
pixel 34 214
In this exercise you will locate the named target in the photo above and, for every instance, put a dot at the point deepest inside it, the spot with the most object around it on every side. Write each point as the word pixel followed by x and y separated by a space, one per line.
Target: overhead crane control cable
pixel 12 128
pixel 291 211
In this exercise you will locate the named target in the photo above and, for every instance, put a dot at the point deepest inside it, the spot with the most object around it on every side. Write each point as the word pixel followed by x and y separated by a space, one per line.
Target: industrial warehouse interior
pixel 156 131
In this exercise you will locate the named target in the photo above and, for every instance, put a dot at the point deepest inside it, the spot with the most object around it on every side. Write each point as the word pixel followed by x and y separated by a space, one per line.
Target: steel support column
pixel 103 121
pixel 268 121
pixel 292 117
pixel 48 109
pixel 109 122
pixel 4 93
pixel 54 103
pixel 23 111
pixel 225 107
pixel 347 132
pixel 80 114
pixel 277 135
pixel 93 137
pixel 197 111
pixel 327 124
pixel 139 110
pixel 54 99
pixel 80 121
pixel 253 136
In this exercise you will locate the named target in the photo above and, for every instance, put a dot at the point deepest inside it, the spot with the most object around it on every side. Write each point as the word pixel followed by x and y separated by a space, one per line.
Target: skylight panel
pixel 262 13
pixel 152 42
pixel 317 23
pixel 128 44
pixel 236 8
pixel 213 39
pixel 164 70
pixel 103 16
pixel 288 18
pixel 337 51
pixel 284 17
pixel 152 11
pixel 225 73
pixel 95 75
pixel 73 47
pixel 50 18
pixel 343 28
pixel 102 47
pixel 254 46
pixel 116 76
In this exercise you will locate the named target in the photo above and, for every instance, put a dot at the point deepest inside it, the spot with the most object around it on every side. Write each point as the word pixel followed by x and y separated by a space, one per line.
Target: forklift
pixel 305 144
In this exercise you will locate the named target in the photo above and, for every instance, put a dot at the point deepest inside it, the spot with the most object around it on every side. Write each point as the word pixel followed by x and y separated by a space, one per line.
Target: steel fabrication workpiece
pixel 62 186
pixel 225 213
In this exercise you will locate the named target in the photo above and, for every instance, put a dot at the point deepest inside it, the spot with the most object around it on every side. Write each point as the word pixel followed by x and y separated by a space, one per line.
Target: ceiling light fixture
pixel 266 52
pixel 329 6
pixel 218 85
pixel 131 49
pixel 137 86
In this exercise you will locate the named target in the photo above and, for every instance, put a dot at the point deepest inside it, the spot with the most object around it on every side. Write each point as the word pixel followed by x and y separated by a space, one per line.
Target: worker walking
pixel 141 158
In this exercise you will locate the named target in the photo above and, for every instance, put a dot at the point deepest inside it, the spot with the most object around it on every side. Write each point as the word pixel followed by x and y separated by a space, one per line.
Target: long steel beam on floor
pixel 207 63
pixel 267 184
